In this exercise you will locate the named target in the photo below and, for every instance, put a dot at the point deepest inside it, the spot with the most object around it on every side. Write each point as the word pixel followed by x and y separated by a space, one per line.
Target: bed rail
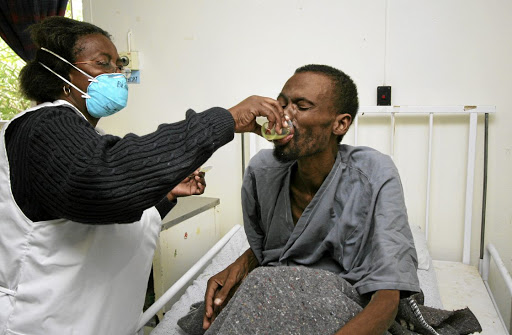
pixel 189 275
pixel 492 253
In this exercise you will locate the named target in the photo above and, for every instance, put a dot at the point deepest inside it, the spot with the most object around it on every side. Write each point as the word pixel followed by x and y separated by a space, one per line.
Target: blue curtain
pixel 17 15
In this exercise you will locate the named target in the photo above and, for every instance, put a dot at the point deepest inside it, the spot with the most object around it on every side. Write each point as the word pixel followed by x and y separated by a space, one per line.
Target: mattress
pixel 460 286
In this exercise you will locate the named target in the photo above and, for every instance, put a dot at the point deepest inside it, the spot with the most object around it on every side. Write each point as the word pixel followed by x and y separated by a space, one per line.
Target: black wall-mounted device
pixel 384 96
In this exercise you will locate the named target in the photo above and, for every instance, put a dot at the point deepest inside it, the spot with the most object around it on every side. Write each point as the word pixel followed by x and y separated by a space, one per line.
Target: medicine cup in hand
pixel 271 134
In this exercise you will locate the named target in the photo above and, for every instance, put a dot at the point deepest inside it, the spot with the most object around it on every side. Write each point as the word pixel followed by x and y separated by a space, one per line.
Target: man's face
pixel 307 100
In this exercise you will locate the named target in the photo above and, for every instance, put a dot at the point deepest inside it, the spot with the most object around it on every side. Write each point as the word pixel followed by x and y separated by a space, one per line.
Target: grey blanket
pixel 300 300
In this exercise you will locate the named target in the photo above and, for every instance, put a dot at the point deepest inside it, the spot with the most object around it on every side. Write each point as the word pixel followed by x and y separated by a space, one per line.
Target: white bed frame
pixel 494 321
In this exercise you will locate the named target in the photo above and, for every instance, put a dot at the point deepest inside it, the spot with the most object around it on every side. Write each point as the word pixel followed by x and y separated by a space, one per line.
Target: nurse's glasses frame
pixel 108 67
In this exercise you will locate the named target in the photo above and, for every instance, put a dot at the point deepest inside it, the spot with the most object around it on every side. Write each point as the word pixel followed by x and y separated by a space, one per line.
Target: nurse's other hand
pixel 192 185
pixel 245 114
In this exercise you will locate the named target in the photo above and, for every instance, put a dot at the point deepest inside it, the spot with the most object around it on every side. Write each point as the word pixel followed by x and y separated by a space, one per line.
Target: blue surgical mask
pixel 106 94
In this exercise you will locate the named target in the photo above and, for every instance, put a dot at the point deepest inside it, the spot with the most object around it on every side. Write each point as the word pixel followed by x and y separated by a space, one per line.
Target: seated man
pixel 316 203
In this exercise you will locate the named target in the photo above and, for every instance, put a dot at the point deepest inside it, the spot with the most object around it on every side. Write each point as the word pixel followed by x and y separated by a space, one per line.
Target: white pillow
pixel 421 247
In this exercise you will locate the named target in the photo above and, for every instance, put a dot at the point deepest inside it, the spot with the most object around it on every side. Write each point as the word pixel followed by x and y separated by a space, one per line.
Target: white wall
pixel 197 54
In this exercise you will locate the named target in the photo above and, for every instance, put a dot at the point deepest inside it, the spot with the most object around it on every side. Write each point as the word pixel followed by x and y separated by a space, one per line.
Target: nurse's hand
pixel 223 285
pixel 245 114
pixel 192 185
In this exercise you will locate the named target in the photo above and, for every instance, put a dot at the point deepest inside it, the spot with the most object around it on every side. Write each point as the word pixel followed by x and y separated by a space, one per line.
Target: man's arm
pixel 223 285
pixel 376 317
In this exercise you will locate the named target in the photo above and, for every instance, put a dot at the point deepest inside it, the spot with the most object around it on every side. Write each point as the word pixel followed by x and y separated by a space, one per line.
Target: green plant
pixel 11 100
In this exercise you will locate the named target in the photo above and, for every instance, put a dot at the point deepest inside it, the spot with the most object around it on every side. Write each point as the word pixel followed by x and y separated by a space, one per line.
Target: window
pixel 11 101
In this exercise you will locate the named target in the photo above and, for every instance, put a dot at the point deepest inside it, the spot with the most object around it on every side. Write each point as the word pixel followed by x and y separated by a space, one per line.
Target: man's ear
pixel 341 124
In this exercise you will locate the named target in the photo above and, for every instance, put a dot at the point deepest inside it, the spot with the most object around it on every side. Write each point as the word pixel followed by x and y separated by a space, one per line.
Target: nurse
pixel 81 212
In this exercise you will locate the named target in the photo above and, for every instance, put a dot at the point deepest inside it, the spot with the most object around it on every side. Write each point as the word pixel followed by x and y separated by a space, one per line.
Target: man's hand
pixel 192 185
pixel 245 114
pixel 376 317
pixel 222 286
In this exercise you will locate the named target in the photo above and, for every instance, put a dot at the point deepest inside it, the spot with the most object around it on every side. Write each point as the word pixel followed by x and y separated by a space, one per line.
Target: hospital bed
pixel 446 284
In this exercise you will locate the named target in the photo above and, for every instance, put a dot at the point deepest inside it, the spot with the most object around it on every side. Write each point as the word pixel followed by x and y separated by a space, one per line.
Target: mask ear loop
pixel 91 78
pixel 84 95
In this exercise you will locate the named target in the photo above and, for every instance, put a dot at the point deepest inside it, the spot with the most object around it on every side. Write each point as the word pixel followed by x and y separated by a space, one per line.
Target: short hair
pixel 344 88
pixel 60 35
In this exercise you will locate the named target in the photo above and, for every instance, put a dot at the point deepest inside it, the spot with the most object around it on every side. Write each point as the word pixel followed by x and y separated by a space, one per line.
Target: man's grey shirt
pixel 356 225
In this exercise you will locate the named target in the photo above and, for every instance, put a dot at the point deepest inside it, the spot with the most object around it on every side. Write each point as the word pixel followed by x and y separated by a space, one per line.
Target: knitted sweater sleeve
pixel 70 171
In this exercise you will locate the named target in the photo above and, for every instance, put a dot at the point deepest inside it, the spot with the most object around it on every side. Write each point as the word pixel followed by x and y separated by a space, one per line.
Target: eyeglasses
pixel 109 67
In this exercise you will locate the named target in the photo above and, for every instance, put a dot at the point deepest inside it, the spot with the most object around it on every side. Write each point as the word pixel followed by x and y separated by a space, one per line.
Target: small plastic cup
pixel 270 134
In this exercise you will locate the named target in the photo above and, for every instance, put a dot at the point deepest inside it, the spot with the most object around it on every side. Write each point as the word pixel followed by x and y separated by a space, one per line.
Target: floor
pixel 460 286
